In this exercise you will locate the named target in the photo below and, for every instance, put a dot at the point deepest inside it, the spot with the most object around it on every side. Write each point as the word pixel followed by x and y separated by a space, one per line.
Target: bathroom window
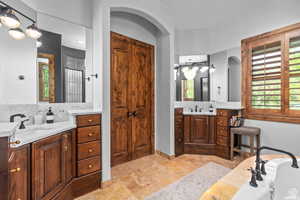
pixel 188 90
pixel 271 75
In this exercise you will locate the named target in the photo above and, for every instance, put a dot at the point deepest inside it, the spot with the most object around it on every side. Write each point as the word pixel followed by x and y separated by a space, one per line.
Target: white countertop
pixel 206 113
pixel 84 112
pixel 37 132
pixel 7 129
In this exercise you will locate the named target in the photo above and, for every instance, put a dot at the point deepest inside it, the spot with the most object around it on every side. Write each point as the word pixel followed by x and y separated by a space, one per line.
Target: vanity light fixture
pixel 204 69
pixel 212 69
pixel 190 72
pixel 33 32
pixel 9 19
pixel 17 33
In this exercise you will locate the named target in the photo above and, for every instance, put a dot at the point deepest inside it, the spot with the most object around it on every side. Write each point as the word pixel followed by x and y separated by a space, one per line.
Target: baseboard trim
pixel 165 155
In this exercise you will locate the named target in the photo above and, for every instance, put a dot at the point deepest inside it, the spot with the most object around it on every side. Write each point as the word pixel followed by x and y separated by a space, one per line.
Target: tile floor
pixel 139 178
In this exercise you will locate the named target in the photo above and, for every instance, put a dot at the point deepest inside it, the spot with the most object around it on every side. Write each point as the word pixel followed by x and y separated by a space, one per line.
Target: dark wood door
pixel 19 174
pixel 131 99
pixel 199 133
pixel 120 100
pixel 140 84
pixel 48 167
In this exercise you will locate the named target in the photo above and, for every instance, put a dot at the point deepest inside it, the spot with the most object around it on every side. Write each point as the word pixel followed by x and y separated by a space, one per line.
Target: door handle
pixel 132 114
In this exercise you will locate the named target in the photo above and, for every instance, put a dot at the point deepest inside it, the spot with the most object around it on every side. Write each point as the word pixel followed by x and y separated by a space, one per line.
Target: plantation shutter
pixel 294 73
pixel 266 62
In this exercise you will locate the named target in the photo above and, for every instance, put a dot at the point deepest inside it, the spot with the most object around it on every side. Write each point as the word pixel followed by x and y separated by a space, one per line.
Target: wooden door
pixel 48 167
pixel 131 99
pixel 19 174
pixel 120 100
pixel 199 133
pixel 141 99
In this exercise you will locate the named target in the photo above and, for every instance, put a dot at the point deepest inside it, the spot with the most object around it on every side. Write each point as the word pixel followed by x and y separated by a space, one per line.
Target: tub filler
pixel 282 182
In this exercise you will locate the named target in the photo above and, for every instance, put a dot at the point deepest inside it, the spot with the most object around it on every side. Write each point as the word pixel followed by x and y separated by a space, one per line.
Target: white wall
pixel 134 26
pixel 191 42
pixel 219 79
pixel 77 11
pixel 156 14
pixel 18 58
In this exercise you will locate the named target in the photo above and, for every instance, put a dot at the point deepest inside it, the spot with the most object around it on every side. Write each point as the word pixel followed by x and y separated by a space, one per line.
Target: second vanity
pixel 52 161
pixel 205 133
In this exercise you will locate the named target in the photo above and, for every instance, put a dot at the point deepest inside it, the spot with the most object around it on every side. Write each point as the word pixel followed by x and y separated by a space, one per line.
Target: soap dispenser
pixel 211 108
pixel 50 116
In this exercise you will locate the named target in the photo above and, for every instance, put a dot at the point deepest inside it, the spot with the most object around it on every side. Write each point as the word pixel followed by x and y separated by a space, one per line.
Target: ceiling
pixel 209 14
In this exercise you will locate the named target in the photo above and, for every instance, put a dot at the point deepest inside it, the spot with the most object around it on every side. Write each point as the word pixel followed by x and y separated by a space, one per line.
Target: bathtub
pixel 282 182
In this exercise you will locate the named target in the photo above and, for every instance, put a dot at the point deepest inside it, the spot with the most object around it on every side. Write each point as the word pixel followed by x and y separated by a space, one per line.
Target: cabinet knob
pixel 15 142
pixel 90 166
pixel 90 150
pixel 90 120
pixel 15 170
pixel 90 134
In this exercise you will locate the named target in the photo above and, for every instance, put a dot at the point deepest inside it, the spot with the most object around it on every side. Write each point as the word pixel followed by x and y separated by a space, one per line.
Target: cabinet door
pixel 18 174
pixel 69 156
pixel 199 132
pixel 48 167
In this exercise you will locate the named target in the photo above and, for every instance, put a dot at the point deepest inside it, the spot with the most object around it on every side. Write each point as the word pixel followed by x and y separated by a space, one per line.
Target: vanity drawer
pixel 88 120
pixel 222 121
pixel 223 113
pixel 88 134
pixel 89 149
pixel 222 131
pixel 223 141
pixel 88 166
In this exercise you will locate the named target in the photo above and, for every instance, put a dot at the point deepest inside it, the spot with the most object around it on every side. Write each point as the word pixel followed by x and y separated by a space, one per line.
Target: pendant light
pixel 33 32
pixel 17 33
pixel 9 19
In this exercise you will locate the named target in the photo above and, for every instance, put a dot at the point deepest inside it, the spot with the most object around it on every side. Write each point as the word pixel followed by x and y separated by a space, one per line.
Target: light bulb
pixel 33 32
pixel 204 69
pixel 9 19
pixel 17 33
pixel 38 44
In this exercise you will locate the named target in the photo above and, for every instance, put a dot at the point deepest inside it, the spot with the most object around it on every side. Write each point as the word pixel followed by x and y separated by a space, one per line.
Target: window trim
pixel 283 115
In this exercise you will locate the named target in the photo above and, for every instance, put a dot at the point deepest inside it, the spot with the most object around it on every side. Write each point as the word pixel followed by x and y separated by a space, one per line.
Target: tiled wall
pixel 59 109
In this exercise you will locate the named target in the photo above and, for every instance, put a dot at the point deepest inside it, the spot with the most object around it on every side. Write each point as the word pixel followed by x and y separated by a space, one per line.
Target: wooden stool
pixel 251 132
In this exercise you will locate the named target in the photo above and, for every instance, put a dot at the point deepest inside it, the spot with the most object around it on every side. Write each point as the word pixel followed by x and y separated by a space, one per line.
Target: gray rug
pixel 192 186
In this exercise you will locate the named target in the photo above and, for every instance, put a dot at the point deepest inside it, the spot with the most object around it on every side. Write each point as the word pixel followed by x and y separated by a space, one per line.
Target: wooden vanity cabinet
pixel 19 173
pixel 199 134
pixel 223 132
pixel 52 165
pixel 179 136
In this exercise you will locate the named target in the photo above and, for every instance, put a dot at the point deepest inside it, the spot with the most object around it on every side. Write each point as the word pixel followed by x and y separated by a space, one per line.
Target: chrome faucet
pixel 260 164
pixel 12 119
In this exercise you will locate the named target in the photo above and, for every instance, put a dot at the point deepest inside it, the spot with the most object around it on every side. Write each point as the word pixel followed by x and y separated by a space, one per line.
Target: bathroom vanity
pixel 53 164
pixel 204 133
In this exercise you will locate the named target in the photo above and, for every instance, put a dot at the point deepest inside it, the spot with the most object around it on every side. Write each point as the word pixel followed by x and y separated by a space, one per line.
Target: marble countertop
pixel 229 185
pixel 37 132
pixel 7 129
pixel 205 113
pixel 84 112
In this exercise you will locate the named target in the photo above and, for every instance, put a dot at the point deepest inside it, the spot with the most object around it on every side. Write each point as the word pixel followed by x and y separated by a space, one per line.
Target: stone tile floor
pixel 139 178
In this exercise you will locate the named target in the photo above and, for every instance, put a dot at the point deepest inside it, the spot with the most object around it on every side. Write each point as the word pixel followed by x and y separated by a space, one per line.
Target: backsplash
pixel 59 109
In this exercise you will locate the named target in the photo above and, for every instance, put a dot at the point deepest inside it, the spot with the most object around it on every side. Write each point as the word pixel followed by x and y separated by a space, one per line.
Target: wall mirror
pixel 64 61
pixel 192 78
pixel 56 68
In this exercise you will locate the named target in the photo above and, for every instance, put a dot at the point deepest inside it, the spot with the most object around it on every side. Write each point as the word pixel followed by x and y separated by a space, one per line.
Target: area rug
pixel 192 186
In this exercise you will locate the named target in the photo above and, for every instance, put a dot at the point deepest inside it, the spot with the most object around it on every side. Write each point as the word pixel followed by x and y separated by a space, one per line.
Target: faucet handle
pixel 253 182
pixel 262 168
pixel 22 126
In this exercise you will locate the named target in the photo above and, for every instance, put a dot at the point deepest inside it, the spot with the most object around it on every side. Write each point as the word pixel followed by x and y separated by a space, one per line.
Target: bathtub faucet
pixel 260 169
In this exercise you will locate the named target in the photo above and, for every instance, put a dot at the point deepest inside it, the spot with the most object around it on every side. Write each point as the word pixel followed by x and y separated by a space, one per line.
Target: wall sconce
pixel 9 19
pixel 190 72
pixel 212 69
pixel 88 78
